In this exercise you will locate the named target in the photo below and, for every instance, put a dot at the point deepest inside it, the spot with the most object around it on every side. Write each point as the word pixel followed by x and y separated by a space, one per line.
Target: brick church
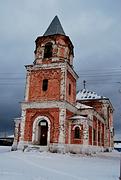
pixel 53 116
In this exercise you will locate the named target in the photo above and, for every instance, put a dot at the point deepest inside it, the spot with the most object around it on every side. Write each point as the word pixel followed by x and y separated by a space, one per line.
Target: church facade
pixel 53 116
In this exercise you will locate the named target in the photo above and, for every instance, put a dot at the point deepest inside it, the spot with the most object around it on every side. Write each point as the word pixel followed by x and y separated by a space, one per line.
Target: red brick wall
pixel 90 135
pixel 99 133
pixel 52 114
pixel 96 104
pixel 109 138
pixel 102 134
pixel 36 80
pixel 95 128
pixel 62 48
pixel 70 80
pixel 99 128
pixel 73 139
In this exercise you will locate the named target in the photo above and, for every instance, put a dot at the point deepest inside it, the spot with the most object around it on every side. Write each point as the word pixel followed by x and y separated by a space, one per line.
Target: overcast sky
pixel 94 26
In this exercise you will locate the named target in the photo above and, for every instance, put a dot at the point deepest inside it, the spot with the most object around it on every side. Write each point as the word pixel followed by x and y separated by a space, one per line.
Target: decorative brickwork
pixel 36 92
pixel 51 116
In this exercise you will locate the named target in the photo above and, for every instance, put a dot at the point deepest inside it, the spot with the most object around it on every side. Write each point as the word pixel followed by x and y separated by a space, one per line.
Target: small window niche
pixel 48 50
pixel 94 135
pixel 77 133
pixel 69 91
pixel 45 85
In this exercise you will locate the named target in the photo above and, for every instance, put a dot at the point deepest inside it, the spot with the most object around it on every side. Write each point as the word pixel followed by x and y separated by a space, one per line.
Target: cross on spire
pixel 84 83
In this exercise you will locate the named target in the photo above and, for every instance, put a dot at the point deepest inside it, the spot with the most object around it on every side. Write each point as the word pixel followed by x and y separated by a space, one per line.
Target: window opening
pixel 69 89
pixel 98 136
pixel 45 85
pixel 48 50
pixel 77 133
pixel 94 135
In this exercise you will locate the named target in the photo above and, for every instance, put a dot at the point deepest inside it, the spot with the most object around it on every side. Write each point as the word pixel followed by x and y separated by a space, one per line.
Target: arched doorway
pixel 41 131
pixel 43 127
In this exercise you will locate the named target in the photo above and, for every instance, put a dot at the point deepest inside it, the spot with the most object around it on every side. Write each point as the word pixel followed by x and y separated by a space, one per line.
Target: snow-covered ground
pixel 51 166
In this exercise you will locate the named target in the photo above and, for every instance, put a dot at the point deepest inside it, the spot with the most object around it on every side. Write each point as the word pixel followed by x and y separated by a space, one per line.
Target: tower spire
pixel 55 27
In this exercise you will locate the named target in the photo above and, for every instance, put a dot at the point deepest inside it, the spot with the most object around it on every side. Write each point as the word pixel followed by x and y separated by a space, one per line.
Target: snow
pixel 82 106
pixel 51 166
pixel 78 117
pixel 11 136
pixel 117 145
pixel 85 94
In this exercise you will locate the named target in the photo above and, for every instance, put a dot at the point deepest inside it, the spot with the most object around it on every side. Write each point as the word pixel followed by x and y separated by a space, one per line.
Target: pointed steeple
pixel 55 27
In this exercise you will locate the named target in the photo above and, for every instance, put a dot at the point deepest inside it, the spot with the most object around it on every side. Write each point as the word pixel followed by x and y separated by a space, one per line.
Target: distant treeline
pixel 6 141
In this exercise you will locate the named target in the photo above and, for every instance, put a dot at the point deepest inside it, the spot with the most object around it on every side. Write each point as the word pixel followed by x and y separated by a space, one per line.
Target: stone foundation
pixel 61 148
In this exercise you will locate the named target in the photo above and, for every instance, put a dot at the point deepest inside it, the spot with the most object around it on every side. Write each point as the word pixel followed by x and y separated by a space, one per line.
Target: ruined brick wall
pixel 36 92
pixel 103 131
pixel 98 127
pixel 76 140
pixel 62 49
pixel 90 135
pixel 95 124
pixel 53 64
pixel 52 114
pixel 95 104
pixel 71 96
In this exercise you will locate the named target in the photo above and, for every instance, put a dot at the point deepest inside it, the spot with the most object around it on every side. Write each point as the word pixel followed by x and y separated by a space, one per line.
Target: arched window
pixel 48 50
pixel 45 85
pixel 77 133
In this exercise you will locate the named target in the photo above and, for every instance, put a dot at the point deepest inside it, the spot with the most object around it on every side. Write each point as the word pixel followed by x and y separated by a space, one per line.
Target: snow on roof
pixel 117 145
pixel 78 117
pixel 86 94
pixel 82 106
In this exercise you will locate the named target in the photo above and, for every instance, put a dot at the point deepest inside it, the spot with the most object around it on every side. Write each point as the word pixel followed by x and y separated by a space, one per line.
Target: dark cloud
pixel 94 28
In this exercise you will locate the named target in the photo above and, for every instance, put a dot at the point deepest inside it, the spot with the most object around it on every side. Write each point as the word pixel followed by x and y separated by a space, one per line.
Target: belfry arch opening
pixel 48 50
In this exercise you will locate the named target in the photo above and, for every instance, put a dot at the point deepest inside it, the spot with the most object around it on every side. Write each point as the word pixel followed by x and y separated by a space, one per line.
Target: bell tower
pixel 54 45
pixel 50 93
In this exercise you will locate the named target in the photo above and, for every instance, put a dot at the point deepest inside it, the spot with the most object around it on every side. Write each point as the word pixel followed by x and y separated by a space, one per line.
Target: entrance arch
pixel 41 131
